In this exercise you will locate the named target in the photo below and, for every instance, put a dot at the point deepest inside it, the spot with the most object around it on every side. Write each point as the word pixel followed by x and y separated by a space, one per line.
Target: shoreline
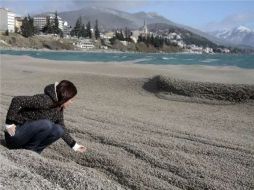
pixel 115 51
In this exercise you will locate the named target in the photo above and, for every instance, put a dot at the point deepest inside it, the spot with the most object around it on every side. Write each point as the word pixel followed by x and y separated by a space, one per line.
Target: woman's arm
pixel 67 137
pixel 38 101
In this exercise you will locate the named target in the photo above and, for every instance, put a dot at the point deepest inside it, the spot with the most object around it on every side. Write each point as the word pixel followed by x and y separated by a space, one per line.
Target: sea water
pixel 238 60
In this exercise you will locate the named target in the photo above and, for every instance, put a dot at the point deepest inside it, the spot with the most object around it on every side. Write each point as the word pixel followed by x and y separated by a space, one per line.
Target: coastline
pixel 135 140
pixel 112 51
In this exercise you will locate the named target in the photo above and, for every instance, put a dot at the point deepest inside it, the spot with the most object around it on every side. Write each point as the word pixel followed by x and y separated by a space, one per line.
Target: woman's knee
pixel 57 131
pixel 45 124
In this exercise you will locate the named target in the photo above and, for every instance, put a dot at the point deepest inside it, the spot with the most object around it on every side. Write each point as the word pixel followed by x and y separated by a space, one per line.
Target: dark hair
pixel 65 90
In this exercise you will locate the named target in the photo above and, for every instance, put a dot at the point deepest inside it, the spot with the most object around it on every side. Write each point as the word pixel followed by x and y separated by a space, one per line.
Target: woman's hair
pixel 65 90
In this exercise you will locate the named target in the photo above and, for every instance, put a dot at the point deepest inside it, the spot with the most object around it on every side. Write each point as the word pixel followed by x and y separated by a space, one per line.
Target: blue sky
pixel 201 14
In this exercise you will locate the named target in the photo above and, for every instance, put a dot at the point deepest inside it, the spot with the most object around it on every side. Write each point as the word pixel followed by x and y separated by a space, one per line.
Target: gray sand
pixel 200 92
pixel 135 140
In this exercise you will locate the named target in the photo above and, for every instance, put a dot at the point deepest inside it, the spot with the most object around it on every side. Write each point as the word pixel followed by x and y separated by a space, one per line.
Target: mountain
pixel 206 35
pixel 239 35
pixel 111 18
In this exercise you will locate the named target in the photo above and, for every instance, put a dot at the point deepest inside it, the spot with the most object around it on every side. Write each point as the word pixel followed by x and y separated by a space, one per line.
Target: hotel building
pixel 41 20
pixel 7 20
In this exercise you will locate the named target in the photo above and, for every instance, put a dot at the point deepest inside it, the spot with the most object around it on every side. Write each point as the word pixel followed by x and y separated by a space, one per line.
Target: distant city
pixel 152 37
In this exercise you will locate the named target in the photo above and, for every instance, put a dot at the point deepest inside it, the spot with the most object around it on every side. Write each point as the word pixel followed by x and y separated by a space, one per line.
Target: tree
pixel 88 29
pixel 56 24
pixel 61 34
pixel 27 28
pixel 152 39
pixel 16 29
pixel 157 42
pixel 6 32
pixel 119 35
pixel 83 31
pixel 52 26
pixel 48 28
pixel 127 34
pixel 77 29
pixel 96 30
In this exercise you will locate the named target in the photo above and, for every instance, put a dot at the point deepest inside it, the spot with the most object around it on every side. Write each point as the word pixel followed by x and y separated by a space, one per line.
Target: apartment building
pixel 41 20
pixel 7 20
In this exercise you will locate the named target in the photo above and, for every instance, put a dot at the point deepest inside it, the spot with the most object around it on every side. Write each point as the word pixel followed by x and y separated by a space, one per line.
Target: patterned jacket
pixel 26 108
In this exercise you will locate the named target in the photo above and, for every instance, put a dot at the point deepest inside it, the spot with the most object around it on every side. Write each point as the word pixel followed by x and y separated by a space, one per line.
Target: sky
pixel 205 15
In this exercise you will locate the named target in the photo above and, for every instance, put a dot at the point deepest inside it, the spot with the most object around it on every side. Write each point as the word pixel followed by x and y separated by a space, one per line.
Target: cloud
pixel 115 4
pixel 24 7
pixel 246 19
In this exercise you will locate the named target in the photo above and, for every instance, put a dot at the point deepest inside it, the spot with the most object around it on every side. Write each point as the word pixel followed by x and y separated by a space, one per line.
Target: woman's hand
pixel 79 148
pixel 11 129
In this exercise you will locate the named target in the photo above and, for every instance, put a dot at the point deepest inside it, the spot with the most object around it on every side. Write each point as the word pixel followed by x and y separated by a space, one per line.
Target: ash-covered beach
pixel 145 127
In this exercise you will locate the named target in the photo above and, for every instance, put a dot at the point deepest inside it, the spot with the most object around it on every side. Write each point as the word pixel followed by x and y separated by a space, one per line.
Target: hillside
pixel 35 42
pixel 112 19
pixel 187 36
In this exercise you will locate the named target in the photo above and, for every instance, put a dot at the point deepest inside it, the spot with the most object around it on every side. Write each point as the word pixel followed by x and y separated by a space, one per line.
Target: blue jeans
pixel 34 135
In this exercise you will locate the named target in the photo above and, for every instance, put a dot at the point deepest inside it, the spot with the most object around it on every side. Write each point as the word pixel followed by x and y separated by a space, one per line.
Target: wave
pixel 140 60
pixel 168 58
pixel 209 60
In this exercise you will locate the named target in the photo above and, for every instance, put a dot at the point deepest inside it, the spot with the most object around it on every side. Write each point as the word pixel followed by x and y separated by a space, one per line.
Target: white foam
pixel 168 58
pixel 208 60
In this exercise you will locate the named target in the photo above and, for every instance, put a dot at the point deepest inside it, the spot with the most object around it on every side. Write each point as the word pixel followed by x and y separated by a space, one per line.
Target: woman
pixel 34 122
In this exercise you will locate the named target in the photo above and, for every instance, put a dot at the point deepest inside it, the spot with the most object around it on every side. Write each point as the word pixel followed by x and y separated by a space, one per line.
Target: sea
pixel 237 60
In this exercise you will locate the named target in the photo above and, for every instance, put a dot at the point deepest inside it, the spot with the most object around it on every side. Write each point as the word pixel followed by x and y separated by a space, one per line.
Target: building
pixel 7 20
pixel 18 24
pixel 85 44
pixel 107 35
pixel 141 32
pixel 41 20
pixel 208 50
pixel 66 28
pixel 144 29
pixel 195 49
pixel 134 39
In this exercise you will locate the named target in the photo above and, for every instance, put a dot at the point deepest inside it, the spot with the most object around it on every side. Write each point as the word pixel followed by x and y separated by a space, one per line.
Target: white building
pixel 134 39
pixel 181 44
pixel 7 20
pixel 195 48
pixel 66 28
pixel 41 20
pixel 208 50
pixel 225 50
pixel 18 24
pixel 125 43
pixel 85 44
pixel 174 36
pixel 144 31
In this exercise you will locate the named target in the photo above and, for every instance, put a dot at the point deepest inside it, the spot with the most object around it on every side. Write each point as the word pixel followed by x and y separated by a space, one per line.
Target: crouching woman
pixel 35 122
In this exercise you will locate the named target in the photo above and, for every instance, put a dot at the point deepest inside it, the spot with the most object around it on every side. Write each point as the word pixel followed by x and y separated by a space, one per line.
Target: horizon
pixel 229 14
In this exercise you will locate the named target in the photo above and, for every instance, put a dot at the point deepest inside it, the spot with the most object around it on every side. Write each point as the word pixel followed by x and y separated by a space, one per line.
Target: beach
pixel 134 139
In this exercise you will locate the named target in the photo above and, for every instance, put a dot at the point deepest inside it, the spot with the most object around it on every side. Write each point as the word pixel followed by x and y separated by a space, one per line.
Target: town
pixel 87 37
